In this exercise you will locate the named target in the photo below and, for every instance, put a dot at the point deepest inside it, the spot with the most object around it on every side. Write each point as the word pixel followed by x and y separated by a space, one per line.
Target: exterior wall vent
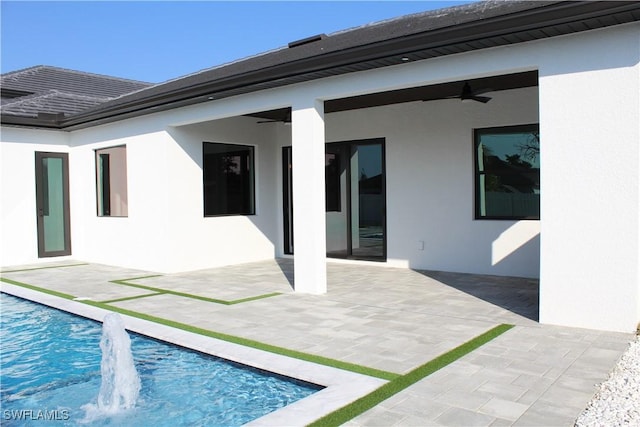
pixel 308 40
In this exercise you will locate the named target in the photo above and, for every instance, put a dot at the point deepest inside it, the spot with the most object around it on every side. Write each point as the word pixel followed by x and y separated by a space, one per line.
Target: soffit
pixel 467 28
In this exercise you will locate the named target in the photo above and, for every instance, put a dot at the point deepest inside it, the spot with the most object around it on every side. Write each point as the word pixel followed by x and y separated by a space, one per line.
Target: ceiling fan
pixel 285 120
pixel 469 94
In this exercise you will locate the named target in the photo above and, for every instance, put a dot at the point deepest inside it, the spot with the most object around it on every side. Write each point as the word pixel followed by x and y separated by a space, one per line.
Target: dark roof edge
pixel 82 73
pixel 30 122
pixel 308 68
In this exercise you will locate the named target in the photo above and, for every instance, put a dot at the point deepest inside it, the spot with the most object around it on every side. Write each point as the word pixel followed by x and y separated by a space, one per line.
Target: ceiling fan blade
pixel 285 120
pixel 469 94
pixel 482 91
pixel 483 99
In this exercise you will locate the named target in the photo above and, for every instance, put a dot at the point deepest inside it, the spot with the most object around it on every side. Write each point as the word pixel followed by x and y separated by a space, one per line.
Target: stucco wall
pixel 215 241
pixel 590 125
pixel 18 232
pixel 166 230
pixel 588 103
pixel 430 183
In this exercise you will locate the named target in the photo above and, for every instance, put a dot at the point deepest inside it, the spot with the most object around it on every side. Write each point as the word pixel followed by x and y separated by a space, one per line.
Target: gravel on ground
pixel 617 401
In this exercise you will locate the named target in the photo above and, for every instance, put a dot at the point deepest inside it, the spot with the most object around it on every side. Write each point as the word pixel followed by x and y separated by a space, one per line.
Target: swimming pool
pixel 50 363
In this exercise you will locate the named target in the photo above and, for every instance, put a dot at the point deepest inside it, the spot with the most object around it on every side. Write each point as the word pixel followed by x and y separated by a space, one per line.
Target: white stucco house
pixel 498 138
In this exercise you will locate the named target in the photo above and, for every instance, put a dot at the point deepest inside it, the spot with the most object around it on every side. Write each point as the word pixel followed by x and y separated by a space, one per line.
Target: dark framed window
pixel 111 180
pixel 507 172
pixel 228 179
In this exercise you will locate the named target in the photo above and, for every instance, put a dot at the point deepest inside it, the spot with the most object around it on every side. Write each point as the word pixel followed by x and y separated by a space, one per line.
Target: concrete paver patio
pixel 384 318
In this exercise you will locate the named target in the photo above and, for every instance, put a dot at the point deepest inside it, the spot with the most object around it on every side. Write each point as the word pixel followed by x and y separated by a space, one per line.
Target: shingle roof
pixel 47 89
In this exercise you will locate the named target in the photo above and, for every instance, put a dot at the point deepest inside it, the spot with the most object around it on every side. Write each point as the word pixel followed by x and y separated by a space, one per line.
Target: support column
pixel 309 228
pixel 590 181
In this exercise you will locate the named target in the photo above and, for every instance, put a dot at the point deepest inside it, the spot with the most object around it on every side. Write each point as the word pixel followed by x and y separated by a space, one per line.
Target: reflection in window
pixel 508 172
pixel 228 179
pixel 111 179
pixel 332 172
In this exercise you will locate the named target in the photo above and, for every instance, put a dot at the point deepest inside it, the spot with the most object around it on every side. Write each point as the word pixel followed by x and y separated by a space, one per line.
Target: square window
pixel 508 172
pixel 111 179
pixel 228 179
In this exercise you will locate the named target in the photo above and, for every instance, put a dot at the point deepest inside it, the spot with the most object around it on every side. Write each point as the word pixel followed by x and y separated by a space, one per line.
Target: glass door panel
pixel 355 201
pixel 52 186
pixel 355 188
pixel 368 201
pixel 337 199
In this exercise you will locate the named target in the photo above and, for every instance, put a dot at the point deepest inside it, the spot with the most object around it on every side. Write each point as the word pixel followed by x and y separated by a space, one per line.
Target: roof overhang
pixel 526 21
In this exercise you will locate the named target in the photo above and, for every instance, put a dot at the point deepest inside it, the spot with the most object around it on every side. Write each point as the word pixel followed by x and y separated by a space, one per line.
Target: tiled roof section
pixel 52 101
pixel 43 78
pixel 58 90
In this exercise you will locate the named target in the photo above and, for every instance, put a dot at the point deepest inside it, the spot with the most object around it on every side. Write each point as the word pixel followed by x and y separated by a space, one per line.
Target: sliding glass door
pixel 355 200
pixel 355 191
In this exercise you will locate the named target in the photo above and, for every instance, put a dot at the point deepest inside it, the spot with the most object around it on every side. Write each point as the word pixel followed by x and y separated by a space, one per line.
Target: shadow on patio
pixel 515 294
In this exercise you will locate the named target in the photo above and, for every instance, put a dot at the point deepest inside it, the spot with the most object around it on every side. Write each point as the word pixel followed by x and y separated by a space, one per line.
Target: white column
pixel 590 180
pixel 309 229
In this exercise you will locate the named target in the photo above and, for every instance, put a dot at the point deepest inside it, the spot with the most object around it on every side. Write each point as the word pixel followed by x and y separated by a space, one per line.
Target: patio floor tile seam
pixel 429 313
pixel 361 369
pixel 111 301
pixel 127 282
pixel 405 381
pixel 438 313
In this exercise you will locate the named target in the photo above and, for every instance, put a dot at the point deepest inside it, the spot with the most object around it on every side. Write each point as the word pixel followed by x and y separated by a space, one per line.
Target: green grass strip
pixel 127 282
pixel 377 373
pixel 252 343
pixel 348 412
pixel 37 288
pixel 43 268
pixel 133 297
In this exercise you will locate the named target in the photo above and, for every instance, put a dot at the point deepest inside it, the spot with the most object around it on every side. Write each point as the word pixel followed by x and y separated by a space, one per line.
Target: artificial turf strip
pixel 43 268
pixel 127 282
pixel 377 373
pixel 348 412
pixel 36 288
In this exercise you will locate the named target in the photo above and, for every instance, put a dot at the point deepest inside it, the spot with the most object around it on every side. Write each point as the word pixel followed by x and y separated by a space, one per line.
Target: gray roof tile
pixel 58 90
pixel 52 101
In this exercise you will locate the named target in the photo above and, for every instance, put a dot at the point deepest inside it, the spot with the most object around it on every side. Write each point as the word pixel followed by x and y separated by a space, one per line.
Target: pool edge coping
pixel 341 387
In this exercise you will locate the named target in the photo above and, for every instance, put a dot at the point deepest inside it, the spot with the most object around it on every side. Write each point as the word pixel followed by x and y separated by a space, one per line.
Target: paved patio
pixel 384 318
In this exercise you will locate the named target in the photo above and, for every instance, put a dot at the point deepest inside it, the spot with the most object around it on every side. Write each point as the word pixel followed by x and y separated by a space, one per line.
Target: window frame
pixel 252 186
pixel 477 133
pixel 99 180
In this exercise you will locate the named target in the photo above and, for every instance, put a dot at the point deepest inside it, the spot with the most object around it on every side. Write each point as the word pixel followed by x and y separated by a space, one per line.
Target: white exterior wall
pixel 141 239
pixel 18 232
pixel 590 128
pixel 589 104
pixel 201 242
pixel 430 183
pixel 166 230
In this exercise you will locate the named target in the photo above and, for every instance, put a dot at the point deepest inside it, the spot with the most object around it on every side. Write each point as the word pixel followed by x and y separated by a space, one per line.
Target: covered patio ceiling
pixel 421 93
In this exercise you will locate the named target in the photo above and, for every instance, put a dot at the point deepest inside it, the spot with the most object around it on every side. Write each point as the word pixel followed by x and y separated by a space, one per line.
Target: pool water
pixel 50 367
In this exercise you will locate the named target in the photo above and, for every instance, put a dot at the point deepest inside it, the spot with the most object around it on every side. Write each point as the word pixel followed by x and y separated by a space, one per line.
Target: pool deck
pixel 382 318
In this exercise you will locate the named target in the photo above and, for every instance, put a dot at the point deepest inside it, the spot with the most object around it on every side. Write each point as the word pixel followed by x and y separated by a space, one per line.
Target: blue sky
pixel 157 41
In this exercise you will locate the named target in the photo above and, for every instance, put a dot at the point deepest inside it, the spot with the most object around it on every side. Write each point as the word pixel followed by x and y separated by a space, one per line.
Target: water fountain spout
pixel 120 381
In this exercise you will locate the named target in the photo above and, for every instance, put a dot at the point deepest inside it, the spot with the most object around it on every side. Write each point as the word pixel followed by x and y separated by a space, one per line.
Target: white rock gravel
pixel 617 402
